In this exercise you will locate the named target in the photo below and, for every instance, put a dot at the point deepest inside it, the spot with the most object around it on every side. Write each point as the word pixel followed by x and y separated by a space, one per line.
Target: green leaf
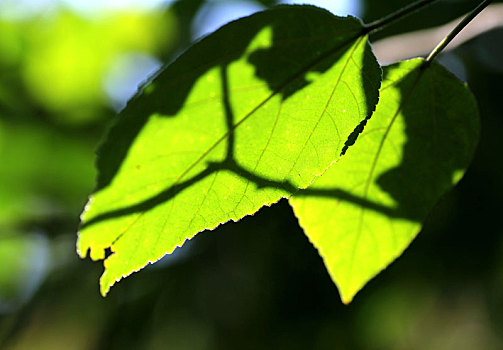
pixel 248 115
pixel 363 212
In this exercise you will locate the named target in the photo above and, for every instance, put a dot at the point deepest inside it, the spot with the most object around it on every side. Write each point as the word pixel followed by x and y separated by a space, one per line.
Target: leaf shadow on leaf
pixel 436 147
pixel 413 149
pixel 396 181
pixel 272 65
pixel 232 165
pixel 439 143
pixel 291 27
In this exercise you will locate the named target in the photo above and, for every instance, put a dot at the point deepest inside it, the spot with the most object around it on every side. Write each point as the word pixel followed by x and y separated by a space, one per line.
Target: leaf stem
pixel 464 22
pixel 405 11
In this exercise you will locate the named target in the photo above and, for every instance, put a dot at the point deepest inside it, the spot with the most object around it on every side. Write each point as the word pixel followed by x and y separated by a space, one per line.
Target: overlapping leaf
pixel 363 212
pixel 246 116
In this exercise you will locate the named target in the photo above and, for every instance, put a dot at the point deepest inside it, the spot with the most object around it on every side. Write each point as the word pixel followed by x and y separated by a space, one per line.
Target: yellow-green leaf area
pixel 248 115
pixel 364 211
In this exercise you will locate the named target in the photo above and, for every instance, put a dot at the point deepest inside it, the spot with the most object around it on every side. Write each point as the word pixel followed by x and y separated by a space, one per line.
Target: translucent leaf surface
pixel 363 212
pixel 246 116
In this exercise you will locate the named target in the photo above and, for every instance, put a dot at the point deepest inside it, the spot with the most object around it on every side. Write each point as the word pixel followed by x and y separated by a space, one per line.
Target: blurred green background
pixel 67 67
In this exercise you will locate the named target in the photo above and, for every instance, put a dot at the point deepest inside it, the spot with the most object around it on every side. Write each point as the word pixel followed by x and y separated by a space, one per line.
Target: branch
pixel 421 42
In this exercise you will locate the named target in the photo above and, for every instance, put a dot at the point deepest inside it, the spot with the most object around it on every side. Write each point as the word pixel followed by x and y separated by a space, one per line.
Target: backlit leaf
pixel 363 212
pixel 248 115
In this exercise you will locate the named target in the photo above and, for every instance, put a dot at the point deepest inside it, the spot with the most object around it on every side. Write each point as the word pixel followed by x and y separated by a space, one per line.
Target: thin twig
pixel 468 18
pixel 401 13
pixel 419 43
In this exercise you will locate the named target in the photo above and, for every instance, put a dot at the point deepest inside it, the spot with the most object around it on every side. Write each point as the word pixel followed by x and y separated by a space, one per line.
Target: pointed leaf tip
pixel 363 212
